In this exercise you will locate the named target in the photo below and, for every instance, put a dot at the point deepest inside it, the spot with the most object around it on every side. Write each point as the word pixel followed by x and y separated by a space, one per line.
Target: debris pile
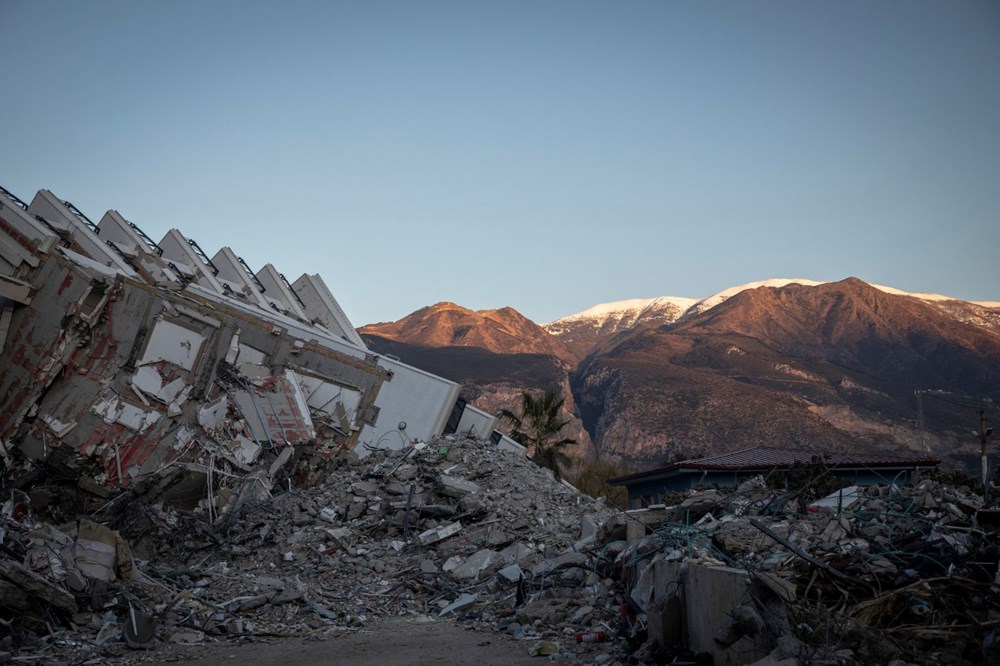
pixel 865 575
pixel 460 529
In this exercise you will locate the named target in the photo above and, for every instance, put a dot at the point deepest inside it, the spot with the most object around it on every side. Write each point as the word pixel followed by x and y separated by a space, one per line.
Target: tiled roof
pixel 765 456
pixel 759 457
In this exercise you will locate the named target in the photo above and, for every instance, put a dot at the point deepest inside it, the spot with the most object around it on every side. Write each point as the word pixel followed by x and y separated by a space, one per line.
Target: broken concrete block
pixel 436 534
pixel 272 583
pixel 743 621
pixel 497 538
pixel 783 588
pixel 510 574
pixel 545 610
pixel 342 536
pixel 323 611
pixel 239 627
pixel 111 631
pixel 288 595
pixel 472 504
pixel 364 488
pixel 455 487
pixel 75 580
pixel 474 564
pixel 406 472
pixel 584 544
pixel 244 451
pixel 635 530
pixel 836 529
pixel 243 604
pixel 666 621
pixel 356 508
pixel 515 552
pixel 464 601
pixel 187 637
pixel 566 559
pixel 581 614
pixel 588 528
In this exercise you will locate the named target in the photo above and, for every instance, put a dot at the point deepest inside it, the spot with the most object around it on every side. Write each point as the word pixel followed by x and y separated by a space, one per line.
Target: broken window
pixel 93 301
pixel 173 343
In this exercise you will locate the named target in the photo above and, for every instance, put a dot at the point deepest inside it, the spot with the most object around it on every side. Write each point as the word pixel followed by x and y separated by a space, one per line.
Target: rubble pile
pixel 461 529
pixel 865 575
pixel 457 528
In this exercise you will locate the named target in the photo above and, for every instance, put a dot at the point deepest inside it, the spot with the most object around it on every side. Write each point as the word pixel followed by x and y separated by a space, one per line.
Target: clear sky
pixel 543 155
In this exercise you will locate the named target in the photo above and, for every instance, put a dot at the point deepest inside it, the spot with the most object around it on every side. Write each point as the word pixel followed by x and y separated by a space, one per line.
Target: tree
pixel 592 478
pixel 537 426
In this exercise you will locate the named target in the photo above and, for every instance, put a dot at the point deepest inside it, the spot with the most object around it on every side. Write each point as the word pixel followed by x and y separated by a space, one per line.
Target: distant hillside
pixel 585 331
pixel 782 362
pixel 503 331
pixel 827 366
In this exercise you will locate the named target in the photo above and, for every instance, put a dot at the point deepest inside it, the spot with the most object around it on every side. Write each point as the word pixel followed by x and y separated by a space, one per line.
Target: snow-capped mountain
pixel 709 302
pixel 582 331
pixel 832 366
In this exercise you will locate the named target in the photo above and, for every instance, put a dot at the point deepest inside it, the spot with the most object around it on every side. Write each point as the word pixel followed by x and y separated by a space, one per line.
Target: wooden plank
pixel 37 586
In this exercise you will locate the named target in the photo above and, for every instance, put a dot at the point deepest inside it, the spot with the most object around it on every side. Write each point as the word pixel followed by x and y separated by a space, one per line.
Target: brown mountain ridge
pixel 826 367
pixel 840 365
pixel 503 331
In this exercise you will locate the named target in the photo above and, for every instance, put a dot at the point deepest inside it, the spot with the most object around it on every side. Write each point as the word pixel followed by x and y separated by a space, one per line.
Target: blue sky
pixel 543 155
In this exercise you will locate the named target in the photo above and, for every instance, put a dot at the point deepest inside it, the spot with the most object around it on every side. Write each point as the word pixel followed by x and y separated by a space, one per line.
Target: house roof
pixel 767 457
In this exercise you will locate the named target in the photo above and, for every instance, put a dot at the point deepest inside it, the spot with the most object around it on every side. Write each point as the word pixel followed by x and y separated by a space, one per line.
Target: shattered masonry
pixel 137 355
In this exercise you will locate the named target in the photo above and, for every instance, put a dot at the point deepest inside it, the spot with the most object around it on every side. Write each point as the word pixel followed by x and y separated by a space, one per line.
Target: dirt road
pixel 393 642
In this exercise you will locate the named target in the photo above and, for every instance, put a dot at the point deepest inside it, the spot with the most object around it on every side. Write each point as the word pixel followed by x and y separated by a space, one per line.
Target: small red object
pixel 598 636
pixel 19 511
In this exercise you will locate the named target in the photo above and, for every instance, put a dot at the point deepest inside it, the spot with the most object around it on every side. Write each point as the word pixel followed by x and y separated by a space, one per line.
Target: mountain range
pixel 783 362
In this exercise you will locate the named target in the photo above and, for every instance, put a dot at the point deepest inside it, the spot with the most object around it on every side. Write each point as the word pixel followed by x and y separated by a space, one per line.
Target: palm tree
pixel 536 426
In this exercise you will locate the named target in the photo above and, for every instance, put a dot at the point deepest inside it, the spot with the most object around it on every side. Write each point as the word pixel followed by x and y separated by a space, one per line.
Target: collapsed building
pixel 123 356
pixel 132 369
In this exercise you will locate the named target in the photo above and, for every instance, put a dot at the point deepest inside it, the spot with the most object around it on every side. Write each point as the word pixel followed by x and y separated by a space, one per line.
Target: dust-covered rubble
pixel 457 528
pixel 461 530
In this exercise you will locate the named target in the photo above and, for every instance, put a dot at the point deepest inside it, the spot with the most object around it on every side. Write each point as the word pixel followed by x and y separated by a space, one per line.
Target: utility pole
pixel 985 432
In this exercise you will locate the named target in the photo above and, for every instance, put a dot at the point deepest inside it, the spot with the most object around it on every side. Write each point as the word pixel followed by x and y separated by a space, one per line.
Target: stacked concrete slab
pixel 139 355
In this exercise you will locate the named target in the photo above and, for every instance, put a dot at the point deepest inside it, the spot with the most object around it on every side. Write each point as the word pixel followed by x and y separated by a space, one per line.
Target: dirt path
pixel 392 642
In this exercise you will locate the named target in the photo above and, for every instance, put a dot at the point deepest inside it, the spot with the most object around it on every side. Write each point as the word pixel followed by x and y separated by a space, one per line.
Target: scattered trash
pixel 543 648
